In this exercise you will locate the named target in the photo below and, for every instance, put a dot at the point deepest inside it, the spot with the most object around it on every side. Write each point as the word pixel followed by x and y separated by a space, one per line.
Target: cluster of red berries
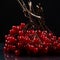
pixel 30 41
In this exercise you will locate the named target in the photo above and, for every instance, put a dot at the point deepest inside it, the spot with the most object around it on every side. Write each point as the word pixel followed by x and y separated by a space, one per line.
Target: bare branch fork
pixel 22 4
pixel 25 9
pixel 29 11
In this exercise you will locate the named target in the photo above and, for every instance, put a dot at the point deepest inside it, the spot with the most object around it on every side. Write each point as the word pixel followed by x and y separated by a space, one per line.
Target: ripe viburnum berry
pixel 17 52
pixel 33 41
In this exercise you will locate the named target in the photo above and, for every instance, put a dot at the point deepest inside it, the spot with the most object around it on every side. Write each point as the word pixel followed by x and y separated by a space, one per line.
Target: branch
pixel 25 9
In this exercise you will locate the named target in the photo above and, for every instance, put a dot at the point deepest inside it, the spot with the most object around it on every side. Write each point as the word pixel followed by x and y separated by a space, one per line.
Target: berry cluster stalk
pixel 30 15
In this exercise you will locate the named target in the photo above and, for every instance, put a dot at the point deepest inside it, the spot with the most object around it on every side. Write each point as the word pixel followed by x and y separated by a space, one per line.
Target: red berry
pixel 58 45
pixel 28 32
pixel 19 45
pixel 21 33
pixel 20 28
pixel 47 40
pixel 35 50
pixel 55 43
pixel 46 50
pixel 31 47
pixel 5 36
pixel 5 49
pixel 27 40
pixel 58 39
pixel 33 41
pixel 50 35
pixel 6 44
pixel 12 31
pixel 42 37
pixel 6 41
pixel 36 41
pixel 21 39
pixel 54 37
pixel 40 47
pixel 22 25
pixel 17 52
pixel 32 32
pixel 8 48
pixel 11 39
pixel 42 33
pixel 17 29
pixel 14 27
pixel 13 47
pixel 39 32
pixel 45 32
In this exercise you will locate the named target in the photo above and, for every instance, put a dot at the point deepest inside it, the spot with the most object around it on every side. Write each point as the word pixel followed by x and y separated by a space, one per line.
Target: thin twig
pixel 24 8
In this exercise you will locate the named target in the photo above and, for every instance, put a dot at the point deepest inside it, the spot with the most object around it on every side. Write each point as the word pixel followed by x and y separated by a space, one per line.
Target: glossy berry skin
pixel 50 35
pixel 13 47
pixel 54 37
pixel 39 32
pixel 5 49
pixel 32 32
pixel 46 44
pixel 55 43
pixel 46 50
pixel 22 25
pixel 12 31
pixel 6 44
pixel 58 39
pixel 11 40
pixel 19 45
pixel 40 47
pixel 58 46
pixel 14 27
pixel 18 28
pixel 27 40
pixel 17 52
pixel 21 33
pixel 36 41
pixel 30 40
pixel 5 36
pixel 30 47
pixel 21 39
pixel 35 50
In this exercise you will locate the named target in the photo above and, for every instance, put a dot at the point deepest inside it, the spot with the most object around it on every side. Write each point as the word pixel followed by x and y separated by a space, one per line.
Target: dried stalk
pixel 22 4
pixel 25 9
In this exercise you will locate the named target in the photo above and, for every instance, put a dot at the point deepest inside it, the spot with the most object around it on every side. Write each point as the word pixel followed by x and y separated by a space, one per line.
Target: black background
pixel 11 14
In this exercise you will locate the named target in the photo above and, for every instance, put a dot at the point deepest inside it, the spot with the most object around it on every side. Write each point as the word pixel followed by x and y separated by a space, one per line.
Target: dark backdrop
pixel 11 14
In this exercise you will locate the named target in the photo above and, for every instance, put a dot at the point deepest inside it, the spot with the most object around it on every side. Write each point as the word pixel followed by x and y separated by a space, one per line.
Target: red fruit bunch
pixel 30 41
